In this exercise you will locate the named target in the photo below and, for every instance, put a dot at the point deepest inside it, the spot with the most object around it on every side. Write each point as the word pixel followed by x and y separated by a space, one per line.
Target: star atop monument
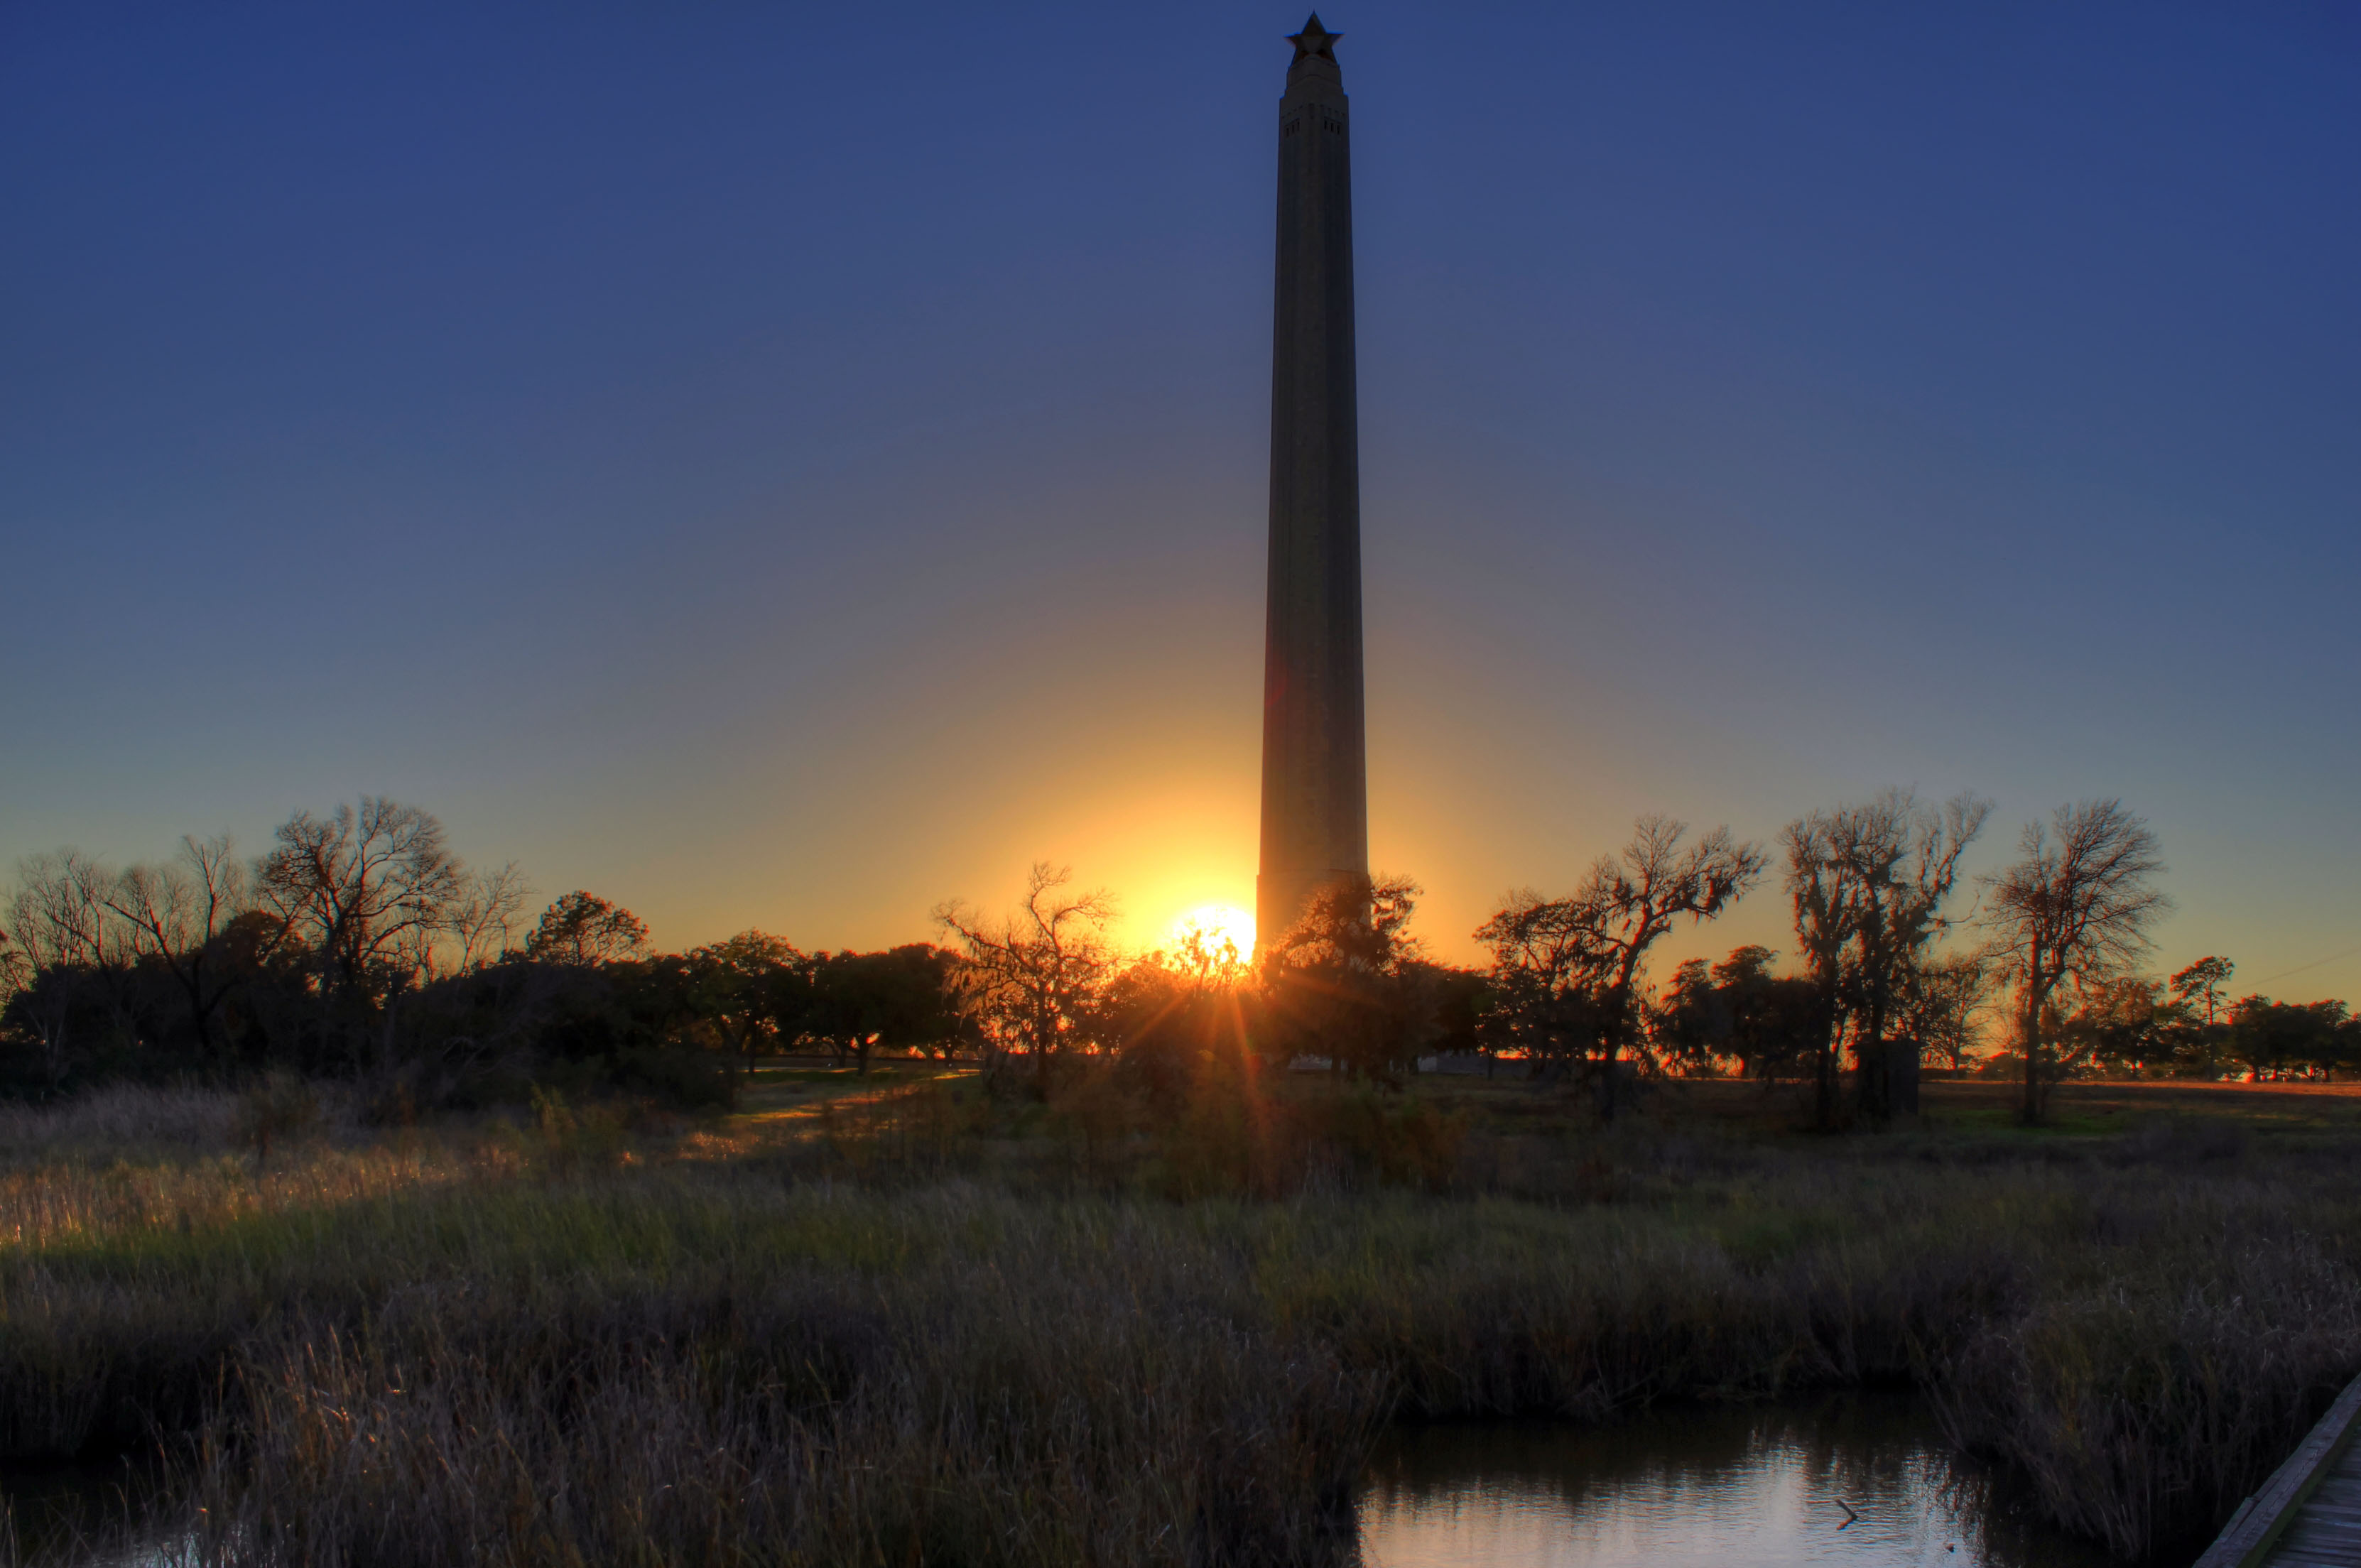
pixel 1315 41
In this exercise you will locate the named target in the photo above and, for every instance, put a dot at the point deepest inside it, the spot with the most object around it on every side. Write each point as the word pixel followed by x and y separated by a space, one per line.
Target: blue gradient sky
pixel 781 466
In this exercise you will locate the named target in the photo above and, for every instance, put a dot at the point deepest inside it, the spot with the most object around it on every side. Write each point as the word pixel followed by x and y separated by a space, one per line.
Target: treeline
pixel 360 945
pixel 2040 979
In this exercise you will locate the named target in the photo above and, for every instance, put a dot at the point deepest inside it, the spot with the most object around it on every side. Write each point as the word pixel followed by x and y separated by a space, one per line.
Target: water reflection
pixel 92 1513
pixel 1856 1482
pixel 1863 1482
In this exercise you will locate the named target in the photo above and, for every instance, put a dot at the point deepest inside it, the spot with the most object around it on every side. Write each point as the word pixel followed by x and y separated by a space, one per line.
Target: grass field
pixel 887 1320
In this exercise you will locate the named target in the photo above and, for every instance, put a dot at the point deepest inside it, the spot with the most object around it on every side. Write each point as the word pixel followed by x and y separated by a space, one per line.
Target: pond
pixel 60 1510
pixel 1858 1481
pixel 1861 1481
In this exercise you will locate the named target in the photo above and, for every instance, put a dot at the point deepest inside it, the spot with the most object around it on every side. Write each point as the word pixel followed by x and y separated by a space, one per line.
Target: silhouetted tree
pixel 751 990
pixel 1943 1003
pixel 1031 980
pixel 1826 917
pixel 181 916
pixel 2197 1032
pixel 897 1000
pixel 1547 966
pixel 2076 906
pixel 1208 956
pixel 1347 981
pixel 1868 884
pixel 2288 1039
pixel 367 891
pixel 1569 968
pixel 1169 1011
pixel 15 972
pixel 483 917
pixel 582 929
pixel 1691 1026
pixel 1463 1002
pixel 71 952
pixel 2202 986
pixel 1737 1009
pixel 2118 1026
pixel 1895 862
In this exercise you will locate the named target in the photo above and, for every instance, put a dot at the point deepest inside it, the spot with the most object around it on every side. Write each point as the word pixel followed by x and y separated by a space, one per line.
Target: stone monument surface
pixel 1314 777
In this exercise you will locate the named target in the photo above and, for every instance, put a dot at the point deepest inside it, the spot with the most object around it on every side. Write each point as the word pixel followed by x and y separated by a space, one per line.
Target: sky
pixel 786 466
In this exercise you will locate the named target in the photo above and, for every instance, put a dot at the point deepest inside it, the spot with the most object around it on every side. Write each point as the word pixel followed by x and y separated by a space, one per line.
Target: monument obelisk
pixel 1314 777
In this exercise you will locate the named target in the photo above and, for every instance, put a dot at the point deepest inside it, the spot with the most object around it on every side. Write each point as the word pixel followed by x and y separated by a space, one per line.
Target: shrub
pixel 676 1078
pixel 274 1109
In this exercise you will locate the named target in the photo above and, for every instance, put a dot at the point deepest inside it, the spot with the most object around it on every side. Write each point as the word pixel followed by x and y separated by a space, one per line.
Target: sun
pixel 1215 924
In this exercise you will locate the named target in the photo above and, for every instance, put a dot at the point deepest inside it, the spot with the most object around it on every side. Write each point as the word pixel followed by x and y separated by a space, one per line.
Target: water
pixel 1859 1482
pixel 80 1512
pixel 1854 1481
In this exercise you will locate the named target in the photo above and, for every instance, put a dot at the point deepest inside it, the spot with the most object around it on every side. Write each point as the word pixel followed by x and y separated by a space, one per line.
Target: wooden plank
pixel 2262 1519
pixel 2311 1518
pixel 2302 1540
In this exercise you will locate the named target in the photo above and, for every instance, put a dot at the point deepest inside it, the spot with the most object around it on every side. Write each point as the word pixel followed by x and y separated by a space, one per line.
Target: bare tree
pixel 1577 962
pixel 1897 863
pixel 68 942
pixel 1868 883
pixel 483 919
pixel 179 917
pixel 1031 977
pixel 1826 916
pixel 369 892
pixel 16 971
pixel 2076 906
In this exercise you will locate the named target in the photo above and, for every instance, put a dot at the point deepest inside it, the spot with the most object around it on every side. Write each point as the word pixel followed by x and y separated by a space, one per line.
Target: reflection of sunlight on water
pixel 1699 1488
pixel 1766 1516
pixel 1702 1488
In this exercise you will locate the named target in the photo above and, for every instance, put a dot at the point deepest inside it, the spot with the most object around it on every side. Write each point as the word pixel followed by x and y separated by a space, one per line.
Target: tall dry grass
pixel 543 1350
pixel 130 1162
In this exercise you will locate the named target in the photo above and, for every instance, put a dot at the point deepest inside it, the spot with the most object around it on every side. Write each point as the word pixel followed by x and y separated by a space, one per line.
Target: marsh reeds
pixel 878 1345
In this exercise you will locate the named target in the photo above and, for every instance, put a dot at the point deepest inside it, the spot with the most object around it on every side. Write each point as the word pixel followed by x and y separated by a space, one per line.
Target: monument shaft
pixel 1314 778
